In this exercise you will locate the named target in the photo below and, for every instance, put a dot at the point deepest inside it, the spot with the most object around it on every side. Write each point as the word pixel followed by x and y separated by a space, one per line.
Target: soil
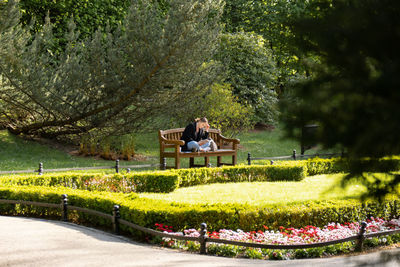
pixel 260 127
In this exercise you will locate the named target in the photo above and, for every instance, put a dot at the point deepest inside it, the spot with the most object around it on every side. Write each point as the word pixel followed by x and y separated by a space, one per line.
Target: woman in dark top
pixel 195 136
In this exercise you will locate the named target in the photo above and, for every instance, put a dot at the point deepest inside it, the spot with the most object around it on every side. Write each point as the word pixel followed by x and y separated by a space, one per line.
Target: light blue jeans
pixel 194 144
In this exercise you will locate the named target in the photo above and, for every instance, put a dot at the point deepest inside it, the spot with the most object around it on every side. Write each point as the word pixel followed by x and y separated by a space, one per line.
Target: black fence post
pixel 116 217
pixel 164 164
pixel 272 162
pixel 249 158
pixel 203 238
pixel 361 237
pixel 117 166
pixel 40 170
pixel 128 170
pixel 294 154
pixel 64 203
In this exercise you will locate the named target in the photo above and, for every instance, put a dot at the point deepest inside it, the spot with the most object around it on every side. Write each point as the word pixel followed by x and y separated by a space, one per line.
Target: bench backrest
pixel 175 134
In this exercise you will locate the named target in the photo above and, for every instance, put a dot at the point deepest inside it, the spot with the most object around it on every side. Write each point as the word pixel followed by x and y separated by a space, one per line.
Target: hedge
pixel 318 166
pixel 147 212
pixel 157 182
pixel 240 173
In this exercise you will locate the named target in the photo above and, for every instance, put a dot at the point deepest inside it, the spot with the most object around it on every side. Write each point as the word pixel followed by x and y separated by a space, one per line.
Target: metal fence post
pixel 64 203
pixel 361 237
pixel 117 166
pixel 249 158
pixel 272 162
pixel 116 217
pixel 128 170
pixel 294 154
pixel 203 238
pixel 164 164
pixel 40 170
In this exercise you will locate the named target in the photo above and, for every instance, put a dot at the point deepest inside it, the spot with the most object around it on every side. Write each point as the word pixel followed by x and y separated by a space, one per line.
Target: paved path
pixel 36 242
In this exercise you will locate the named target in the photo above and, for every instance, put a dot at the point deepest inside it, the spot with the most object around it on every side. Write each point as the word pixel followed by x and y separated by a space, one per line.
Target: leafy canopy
pixel 251 71
pixel 112 82
pixel 354 92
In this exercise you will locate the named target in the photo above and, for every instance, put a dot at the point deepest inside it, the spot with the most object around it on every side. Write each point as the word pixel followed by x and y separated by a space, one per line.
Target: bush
pixel 316 166
pixel 240 173
pixel 158 182
pixel 147 212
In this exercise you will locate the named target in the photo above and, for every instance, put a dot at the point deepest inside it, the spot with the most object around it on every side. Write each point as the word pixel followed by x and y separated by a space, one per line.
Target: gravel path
pixel 36 242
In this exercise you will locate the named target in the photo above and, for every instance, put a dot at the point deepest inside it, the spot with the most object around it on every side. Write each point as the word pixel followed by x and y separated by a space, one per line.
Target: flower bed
pixel 288 236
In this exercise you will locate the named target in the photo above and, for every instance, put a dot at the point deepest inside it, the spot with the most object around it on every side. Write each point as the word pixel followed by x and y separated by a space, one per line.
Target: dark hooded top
pixel 190 134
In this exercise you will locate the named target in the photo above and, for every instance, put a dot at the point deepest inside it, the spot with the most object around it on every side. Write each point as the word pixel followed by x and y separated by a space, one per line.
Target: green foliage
pixel 353 93
pixel 110 147
pixel 224 110
pixel 240 173
pixel 253 253
pixel 223 250
pixel 251 71
pixel 114 82
pixel 316 166
pixel 89 16
pixel 269 19
pixel 147 212
pixel 161 182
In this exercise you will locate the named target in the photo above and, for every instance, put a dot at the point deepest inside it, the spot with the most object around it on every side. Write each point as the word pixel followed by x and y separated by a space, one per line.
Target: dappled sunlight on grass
pixel 321 187
pixel 20 154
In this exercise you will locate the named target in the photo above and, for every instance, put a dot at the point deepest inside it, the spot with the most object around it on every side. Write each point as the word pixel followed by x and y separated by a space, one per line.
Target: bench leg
pixel 191 162
pixel 177 163
pixel 206 161
pixel 161 163
pixel 219 162
pixel 234 159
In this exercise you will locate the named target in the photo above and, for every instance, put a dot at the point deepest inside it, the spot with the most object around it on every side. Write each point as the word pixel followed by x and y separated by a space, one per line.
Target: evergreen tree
pixel 113 82
pixel 354 93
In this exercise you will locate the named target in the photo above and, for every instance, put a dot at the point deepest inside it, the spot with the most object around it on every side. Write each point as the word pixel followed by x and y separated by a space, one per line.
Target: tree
pixel 111 83
pixel 269 18
pixel 251 71
pixel 354 91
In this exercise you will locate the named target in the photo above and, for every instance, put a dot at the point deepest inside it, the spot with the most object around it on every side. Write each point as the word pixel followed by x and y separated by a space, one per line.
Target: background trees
pixel 250 69
pixel 354 91
pixel 113 82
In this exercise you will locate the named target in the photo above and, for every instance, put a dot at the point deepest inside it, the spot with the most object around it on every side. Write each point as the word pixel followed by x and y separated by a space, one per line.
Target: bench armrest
pixel 229 140
pixel 172 142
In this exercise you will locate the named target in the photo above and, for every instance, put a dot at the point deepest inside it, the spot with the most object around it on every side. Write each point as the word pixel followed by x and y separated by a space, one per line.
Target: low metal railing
pixel 116 167
pixel 294 156
pixel 202 239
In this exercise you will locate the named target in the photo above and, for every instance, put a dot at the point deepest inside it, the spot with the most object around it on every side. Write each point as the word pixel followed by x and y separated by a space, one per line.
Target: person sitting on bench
pixel 196 138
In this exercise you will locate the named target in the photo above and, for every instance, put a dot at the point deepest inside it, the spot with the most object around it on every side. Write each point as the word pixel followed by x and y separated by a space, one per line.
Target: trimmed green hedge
pixel 240 173
pixel 318 166
pixel 157 182
pixel 147 212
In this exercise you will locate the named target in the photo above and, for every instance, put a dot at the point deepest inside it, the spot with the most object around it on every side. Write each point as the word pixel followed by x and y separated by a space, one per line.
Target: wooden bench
pixel 170 139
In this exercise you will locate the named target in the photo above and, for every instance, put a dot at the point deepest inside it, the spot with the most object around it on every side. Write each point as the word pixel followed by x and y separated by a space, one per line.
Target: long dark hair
pixel 203 119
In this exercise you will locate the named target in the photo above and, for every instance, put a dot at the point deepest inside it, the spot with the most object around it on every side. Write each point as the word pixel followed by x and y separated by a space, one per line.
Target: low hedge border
pixel 159 181
pixel 147 212
pixel 317 166
pixel 156 182
pixel 240 173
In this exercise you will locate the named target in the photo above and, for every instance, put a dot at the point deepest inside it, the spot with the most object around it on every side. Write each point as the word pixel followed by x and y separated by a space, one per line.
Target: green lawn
pixel 19 154
pixel 321 187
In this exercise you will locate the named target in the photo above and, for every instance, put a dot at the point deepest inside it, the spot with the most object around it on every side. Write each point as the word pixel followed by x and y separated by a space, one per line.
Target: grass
pixel 314 188
pixel 19 154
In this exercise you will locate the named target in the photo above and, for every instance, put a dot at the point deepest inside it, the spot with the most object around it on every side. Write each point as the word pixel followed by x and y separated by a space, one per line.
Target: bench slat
pixel 175 134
